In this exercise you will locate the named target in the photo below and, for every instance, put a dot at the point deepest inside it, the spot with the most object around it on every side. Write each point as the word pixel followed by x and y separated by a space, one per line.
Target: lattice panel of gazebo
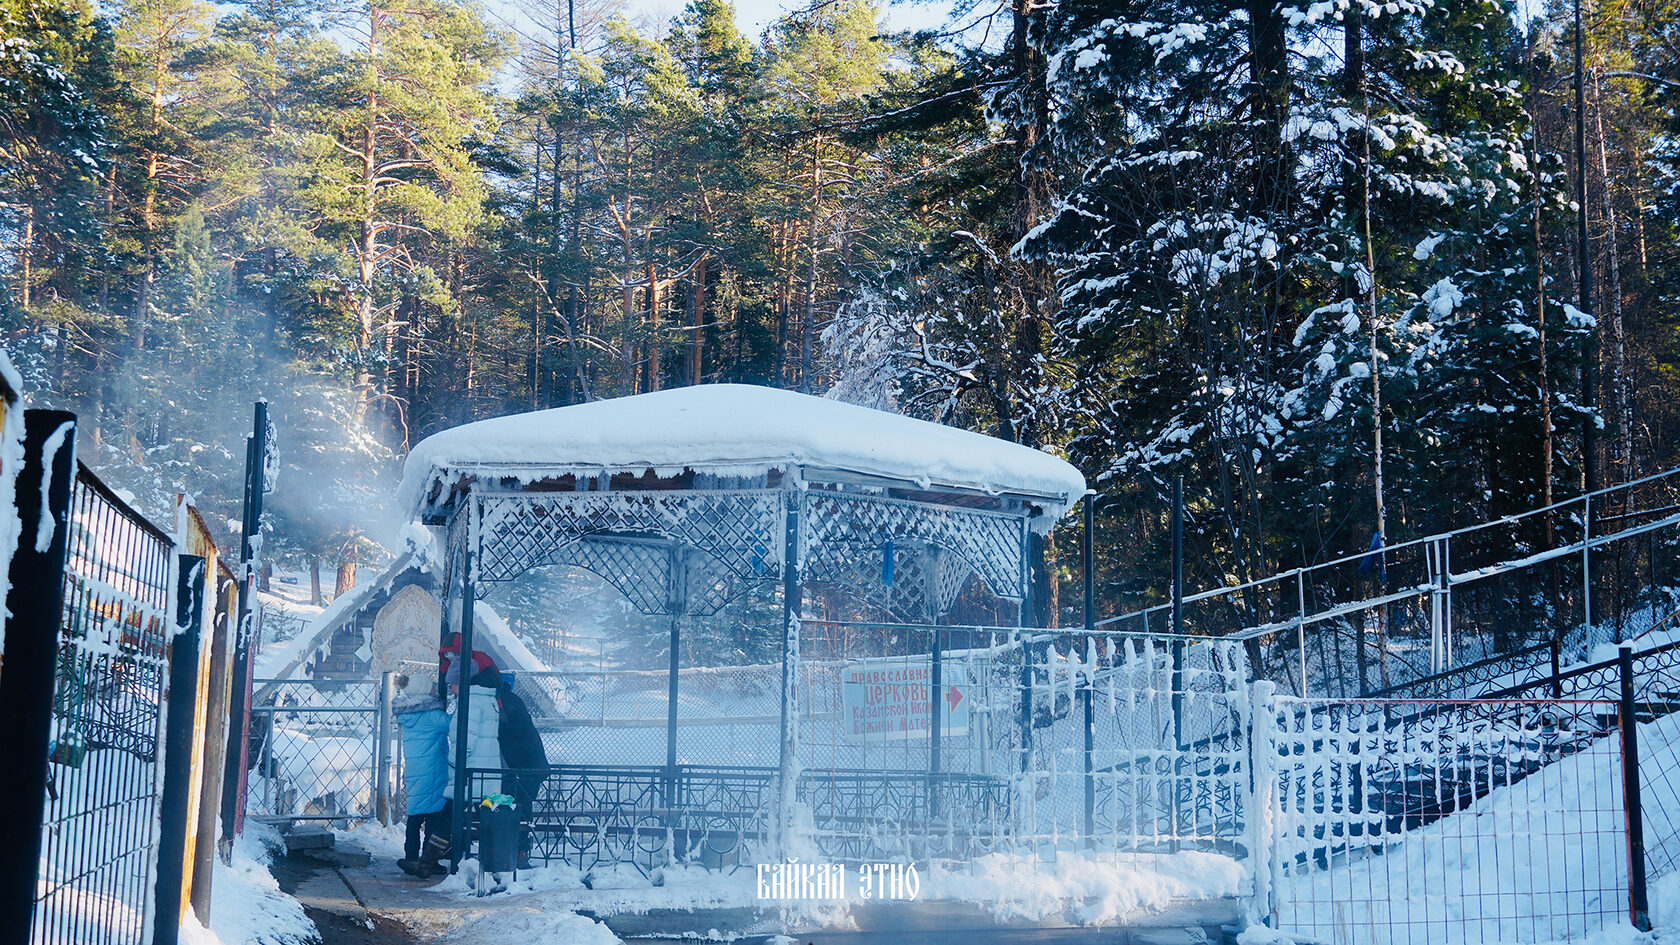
pixel 845 538
pixel 912 594
pixel 740 530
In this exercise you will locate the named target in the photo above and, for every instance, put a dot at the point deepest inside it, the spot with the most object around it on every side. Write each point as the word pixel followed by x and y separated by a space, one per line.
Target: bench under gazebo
pixel 875 730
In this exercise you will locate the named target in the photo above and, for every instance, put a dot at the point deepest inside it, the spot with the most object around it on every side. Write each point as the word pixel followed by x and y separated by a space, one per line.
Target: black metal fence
pixel 102 658
pixel 1399 822
pixel 99 843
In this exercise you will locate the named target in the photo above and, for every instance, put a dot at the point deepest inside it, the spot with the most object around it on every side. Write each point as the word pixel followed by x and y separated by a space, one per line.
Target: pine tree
pixel 57 81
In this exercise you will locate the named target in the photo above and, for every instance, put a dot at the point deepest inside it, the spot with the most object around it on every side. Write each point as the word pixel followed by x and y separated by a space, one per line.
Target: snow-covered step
pixel 308 837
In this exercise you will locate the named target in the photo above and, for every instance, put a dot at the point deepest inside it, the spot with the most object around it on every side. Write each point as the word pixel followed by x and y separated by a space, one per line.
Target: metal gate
pixel 322 750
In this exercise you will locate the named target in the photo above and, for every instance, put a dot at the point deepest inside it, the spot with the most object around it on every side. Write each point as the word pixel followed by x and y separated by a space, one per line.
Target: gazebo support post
pixel 787 770
pixel 458 849
pixel 1024 621
pixel 1088 572
pixel 677 605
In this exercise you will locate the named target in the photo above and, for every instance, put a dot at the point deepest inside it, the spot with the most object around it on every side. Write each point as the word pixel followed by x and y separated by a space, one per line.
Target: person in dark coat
pixel 524 757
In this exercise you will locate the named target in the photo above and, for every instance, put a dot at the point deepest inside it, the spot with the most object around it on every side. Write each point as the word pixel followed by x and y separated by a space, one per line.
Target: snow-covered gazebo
pixel 683 499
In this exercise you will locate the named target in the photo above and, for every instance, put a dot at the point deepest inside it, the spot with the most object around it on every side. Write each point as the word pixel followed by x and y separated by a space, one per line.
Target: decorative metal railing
pixel 1457 613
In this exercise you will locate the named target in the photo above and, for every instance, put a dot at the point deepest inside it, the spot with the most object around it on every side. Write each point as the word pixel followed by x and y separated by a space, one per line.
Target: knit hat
pixel 415 702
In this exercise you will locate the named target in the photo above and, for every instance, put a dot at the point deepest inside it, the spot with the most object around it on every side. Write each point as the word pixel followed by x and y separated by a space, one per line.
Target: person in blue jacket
pixel 425 740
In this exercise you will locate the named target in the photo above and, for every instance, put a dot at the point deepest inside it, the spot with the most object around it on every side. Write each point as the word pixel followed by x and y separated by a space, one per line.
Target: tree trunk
pixel 26 241
pixel 1618 360
pixel 1022 368
pixel 1269 77
pixel 315 580
pixel 697 319
pixel 784 301
pixel 655 368
pixel 346 577
pixel 808 324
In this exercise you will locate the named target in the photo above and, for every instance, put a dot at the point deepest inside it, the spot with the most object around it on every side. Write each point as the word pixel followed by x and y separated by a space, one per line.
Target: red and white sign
pixel 889 700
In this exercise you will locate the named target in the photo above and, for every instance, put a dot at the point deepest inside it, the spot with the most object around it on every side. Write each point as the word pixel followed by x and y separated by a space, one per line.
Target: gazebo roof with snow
pixel 688 437
pixel 684 498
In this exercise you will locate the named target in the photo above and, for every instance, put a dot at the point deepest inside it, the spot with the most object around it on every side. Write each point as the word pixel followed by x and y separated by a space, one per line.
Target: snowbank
pixel 735 430
pixel 246 904
pixel 1099 889
pixel 1542 860
pixel 527 923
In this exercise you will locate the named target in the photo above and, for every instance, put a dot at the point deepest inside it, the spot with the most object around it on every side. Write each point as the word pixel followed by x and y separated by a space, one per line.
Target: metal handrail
pixel 1467 576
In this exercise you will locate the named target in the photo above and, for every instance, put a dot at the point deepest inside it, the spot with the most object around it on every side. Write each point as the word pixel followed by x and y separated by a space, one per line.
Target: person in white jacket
pixel 484 750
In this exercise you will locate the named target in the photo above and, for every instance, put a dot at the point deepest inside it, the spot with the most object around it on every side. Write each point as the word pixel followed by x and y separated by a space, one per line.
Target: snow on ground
pixel 1542 860
pixel 246 904
pixel 614 890
pixel 1103 889
pixel 287 613
pixel 528 923
pixel 1100 890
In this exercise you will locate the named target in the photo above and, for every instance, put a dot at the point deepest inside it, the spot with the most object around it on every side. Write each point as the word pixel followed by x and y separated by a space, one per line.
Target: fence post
pixel 936 689
pixel 1639 907
pixel 1586 568
pixel 1446 596
pixel 215 753
pixel 1437 646
pixel 179 704
pixel 1301 625
pixel 244 629
pixel 1262 774
pixel 382 750
pixel 676 603
pixel 461 813
pixel 36 602
pixel 793 609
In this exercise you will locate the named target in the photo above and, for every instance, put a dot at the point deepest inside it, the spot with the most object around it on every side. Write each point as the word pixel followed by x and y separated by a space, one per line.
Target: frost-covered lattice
pixel 846 537
pixel 716 541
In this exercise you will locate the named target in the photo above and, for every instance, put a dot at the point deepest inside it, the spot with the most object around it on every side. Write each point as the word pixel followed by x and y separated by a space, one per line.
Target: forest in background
pixel 1229 240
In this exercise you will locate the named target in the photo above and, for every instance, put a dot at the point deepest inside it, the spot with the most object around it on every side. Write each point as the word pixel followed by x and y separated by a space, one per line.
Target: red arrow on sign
pixel 953 696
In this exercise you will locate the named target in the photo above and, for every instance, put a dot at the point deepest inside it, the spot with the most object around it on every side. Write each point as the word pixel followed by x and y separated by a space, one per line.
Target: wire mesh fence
pixel 315 751
pixel 726 715
pixel 1430 821
pixel 99 843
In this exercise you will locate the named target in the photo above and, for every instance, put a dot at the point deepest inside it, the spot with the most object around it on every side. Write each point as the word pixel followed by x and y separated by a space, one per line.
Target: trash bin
pixel 498 838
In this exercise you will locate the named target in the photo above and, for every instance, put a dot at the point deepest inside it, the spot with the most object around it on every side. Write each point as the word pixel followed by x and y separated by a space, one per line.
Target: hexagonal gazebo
pixel 683 500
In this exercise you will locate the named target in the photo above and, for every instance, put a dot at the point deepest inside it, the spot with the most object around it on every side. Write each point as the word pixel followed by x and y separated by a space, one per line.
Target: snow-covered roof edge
pixel 512 652
pixel 738 430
